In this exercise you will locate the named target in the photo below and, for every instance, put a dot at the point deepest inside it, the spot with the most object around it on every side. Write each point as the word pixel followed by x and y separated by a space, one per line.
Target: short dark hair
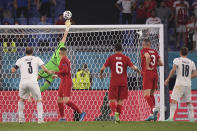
pixel 147 40
pixel 29 50
pixel 63 49
pixel 184 51
pixel 118 47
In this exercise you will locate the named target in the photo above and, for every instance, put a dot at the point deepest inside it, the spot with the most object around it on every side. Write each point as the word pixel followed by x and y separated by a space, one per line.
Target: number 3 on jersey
pixel 152 62
pixel 119 68
pixel 30 70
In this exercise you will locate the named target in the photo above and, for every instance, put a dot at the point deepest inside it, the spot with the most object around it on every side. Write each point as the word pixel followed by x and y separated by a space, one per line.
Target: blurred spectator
pixel 194 6
pixel 43 20
pixel 4 9
pixel 126 7
pixel 181 16
pixel 44 6
pixel 6 23
pixel 16 23
pixel 149 6
pixel 191 26
pixel 83 78
pixel 140 14
pixel 153 20
pixel 169 3
pixel 195 40
pixel 61 20
pixel 164 13
pixel 22 6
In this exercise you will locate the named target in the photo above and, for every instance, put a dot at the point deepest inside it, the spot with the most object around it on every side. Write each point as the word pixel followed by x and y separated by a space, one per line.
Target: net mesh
pixel 85 46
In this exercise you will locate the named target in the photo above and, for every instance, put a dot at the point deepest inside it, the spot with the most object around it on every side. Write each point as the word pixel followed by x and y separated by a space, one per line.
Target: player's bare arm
pixel 135 68
pixel 147 56
pixel 14 69
pixel 45 69
pixel 160 62
pixel 101 72
pixel 194 74
pixel 170 75
pixel 67 23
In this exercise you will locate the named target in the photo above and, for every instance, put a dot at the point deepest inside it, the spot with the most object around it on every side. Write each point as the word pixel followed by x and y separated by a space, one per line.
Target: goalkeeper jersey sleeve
pixel 55 59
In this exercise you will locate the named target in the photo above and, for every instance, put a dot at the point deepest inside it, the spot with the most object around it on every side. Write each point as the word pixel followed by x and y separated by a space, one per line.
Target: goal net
pixel 89 45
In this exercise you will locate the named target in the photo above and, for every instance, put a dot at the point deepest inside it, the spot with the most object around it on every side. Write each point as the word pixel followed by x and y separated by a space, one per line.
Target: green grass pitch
pixel 100 126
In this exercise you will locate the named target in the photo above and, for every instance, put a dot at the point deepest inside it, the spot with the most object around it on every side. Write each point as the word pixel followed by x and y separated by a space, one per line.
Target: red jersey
pixel 154 59
pixel 118 64
pixel 64 69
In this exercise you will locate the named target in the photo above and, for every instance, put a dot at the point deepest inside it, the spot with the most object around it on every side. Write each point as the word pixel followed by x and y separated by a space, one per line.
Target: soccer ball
pixel 67 15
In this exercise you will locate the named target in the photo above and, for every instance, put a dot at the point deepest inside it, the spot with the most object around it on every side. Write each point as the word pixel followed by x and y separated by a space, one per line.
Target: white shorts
pixel 181 28
pixel 26 88
pixel 183 92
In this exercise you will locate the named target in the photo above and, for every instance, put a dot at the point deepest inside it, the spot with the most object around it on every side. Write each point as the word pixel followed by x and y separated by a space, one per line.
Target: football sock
pixel 73 106
pixel 40 110
pixel 61 109
pixel 20 109
pixel 190 111
pixel 44 87
pixel 113 106
pixel 153 99
pixel 119 108
pixel 150 102
pixel 172 110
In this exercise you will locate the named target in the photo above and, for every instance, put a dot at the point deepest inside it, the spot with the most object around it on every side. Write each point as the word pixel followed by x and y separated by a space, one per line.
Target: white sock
pixel 20 110
pixel 190 111
pixel 40 110
pixel 172 110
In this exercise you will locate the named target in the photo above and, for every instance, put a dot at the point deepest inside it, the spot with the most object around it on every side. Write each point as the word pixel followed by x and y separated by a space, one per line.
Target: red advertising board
pixel 135 108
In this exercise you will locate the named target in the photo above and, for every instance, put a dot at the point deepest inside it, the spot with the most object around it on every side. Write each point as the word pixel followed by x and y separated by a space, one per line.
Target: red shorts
pixel 65 89
pixel 118 92
pixel 150 80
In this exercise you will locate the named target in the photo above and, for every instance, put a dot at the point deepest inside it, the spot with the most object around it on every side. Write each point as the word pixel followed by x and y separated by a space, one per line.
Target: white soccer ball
pixel 67 15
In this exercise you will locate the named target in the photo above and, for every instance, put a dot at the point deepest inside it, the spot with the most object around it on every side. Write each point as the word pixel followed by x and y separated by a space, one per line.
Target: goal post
pixel 86 44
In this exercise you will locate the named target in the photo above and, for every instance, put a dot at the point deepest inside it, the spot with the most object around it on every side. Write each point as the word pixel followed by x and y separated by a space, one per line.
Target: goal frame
pixel 161 46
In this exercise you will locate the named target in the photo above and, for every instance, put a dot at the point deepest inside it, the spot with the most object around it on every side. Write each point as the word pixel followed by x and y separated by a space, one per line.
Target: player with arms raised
pixel 150 60
pixel 28 66
pixel 65 87
pixel 185 70
pixel 118 90
pixel 54 62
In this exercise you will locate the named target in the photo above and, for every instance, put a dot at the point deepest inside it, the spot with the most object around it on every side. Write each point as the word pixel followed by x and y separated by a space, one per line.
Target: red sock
pixel 113 106
pixel 119 109
pixel 61 109
pixel 73 106
pixel 153 99
pixel 150 102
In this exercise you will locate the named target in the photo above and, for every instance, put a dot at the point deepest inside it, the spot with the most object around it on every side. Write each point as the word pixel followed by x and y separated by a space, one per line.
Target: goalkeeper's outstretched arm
pixel 67 23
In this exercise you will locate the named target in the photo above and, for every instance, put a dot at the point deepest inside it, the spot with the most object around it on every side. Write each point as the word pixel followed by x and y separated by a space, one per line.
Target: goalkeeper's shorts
pixel 49 66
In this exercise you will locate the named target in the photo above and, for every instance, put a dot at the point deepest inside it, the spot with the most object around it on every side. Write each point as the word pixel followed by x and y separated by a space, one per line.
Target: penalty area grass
pixel 100 126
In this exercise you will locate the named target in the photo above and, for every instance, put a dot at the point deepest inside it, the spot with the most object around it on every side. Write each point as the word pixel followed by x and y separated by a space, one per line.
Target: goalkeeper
pixel 54 61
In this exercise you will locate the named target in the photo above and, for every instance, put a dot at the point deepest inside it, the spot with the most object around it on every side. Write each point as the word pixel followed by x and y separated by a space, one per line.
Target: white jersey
pixel 184 68
pixel 29 66
pixel 126 5
pixel 181 11
pixel 155 20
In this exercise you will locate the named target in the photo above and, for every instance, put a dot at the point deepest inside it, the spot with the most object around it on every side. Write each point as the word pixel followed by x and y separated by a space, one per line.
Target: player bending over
pixel 118 90
pixel 65 87
pixel 28 66
pixel 54 61
pixel 185 70
pixel 150 60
